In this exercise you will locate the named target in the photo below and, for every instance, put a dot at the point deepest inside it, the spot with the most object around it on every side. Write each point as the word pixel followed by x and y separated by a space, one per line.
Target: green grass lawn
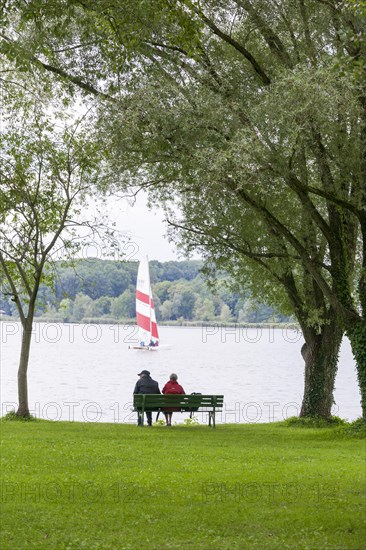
pixel 110 486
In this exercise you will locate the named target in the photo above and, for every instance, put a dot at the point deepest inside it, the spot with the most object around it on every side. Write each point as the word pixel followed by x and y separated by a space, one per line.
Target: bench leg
pixel 211 419
pixel 143 410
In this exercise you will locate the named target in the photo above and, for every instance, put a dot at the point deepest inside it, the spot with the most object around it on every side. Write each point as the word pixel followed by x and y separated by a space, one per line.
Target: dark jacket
pixel 146 385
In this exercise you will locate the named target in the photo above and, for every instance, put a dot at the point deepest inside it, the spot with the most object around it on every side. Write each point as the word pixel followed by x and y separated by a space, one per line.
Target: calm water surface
pixel 87 373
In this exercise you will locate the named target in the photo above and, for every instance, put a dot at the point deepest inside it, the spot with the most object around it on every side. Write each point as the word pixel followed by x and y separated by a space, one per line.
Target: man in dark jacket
pixel 145 385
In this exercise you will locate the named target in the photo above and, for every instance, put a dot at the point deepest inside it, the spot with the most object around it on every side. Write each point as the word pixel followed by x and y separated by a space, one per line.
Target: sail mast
pixel 150 295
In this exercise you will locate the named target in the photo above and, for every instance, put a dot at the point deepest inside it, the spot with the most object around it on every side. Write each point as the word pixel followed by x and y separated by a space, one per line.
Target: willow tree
pixel 233 238
pixel 260 116
pixel 258 102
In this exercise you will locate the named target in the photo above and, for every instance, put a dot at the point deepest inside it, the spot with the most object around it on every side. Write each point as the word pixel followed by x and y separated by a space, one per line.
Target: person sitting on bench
pixel 171 387
pixel 146 385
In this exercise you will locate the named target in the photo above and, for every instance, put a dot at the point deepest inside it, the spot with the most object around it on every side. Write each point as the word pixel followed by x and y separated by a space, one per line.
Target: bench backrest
pixel 174 400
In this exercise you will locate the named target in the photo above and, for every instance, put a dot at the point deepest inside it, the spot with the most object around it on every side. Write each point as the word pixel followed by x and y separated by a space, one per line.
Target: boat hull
pixel 144 348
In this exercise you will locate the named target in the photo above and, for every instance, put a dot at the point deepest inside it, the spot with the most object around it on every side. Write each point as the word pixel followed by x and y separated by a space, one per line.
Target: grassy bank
pixel 110 486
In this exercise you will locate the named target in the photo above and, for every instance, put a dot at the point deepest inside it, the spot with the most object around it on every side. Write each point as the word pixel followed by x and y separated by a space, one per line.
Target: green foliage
pixel 191 421
pixel 357 335
pixel 313 422
pixel 237 112
pixel 160 422
pixel 356 428
pixel 124 306
pixel 82 307
pixel 47 171
pixel 188 298
pixel 238 157
pixel 57 30
pixel 355 38
pixel 66 308
pixel 13 417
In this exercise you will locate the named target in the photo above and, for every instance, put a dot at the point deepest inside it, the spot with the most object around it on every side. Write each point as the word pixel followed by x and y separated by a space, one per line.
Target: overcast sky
pixel 145 227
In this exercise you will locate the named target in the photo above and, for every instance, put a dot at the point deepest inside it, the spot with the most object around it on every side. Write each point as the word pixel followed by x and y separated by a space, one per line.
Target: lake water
pixel 87 372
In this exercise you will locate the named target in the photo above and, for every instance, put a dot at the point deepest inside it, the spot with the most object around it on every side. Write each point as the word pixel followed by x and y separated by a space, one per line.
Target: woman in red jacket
pixel 172 387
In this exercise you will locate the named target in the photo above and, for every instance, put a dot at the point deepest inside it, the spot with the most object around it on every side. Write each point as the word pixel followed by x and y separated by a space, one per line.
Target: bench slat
pixel 178 403
pixel 174 400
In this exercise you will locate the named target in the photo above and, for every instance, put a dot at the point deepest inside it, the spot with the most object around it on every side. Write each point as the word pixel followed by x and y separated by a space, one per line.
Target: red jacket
pixel 173 387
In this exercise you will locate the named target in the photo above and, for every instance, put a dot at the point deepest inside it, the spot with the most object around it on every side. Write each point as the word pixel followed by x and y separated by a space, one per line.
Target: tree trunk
pixel 320 353
pixel 23 408
pixel 357 336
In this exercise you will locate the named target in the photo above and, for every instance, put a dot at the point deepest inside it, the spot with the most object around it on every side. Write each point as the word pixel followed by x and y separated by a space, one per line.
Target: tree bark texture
pixel 23 408
pixel 320 353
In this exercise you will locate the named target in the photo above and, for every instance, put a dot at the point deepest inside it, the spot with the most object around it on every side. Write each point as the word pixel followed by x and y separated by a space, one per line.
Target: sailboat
pixel 148 335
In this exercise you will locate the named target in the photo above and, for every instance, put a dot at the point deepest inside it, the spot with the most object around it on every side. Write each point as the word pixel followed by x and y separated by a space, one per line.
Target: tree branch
pixel 238 47
pixel 274 42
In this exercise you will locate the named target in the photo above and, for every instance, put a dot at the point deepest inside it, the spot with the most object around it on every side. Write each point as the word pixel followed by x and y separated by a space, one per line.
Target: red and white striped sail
pixel 145 311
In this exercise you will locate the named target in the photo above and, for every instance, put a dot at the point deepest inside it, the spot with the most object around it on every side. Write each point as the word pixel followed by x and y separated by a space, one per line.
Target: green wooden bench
pixel 143 402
